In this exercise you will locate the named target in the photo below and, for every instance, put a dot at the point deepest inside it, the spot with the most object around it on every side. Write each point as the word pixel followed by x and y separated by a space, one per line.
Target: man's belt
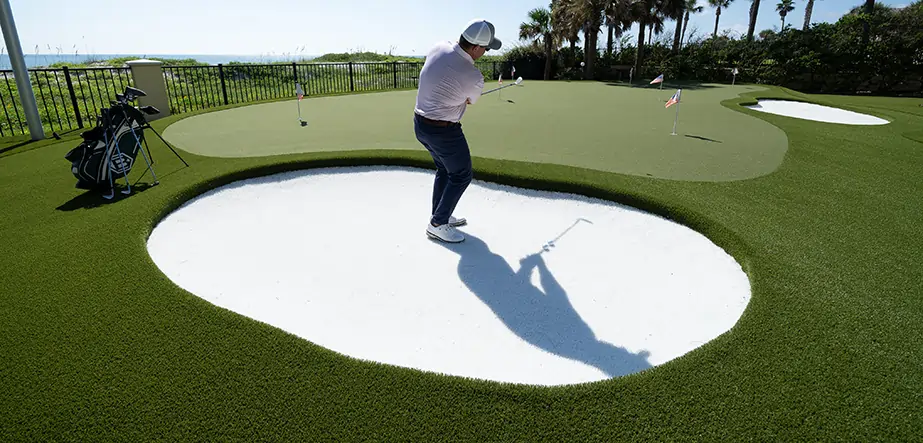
pixel 429 121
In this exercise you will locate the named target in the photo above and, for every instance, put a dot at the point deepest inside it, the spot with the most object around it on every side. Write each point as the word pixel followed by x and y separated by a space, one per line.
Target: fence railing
pixel 70 98
pixel 191 88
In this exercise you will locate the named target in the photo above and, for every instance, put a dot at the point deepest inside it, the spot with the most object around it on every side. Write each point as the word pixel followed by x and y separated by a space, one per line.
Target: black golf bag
pixel 109 150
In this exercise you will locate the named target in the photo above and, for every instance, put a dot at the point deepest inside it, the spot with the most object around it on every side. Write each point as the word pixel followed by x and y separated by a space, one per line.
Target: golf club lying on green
pixel 518 81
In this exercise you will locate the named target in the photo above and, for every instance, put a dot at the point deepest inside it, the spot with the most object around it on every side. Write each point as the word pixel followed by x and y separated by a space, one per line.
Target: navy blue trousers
pixel 449 149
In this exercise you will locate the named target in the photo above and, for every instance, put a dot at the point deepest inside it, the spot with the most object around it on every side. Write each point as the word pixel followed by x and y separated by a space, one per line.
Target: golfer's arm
pixel 476 90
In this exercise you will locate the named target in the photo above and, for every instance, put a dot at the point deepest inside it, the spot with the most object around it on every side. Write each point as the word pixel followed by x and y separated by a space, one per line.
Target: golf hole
pixel 810 111
pixel 547 289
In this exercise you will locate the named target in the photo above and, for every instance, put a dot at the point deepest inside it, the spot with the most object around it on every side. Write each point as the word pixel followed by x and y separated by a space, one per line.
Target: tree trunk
pixel 573 52
pixel 754 11
pixel 807 15
pixel 676 35
pixel 639 55
pixel 609 41
pixel 685 25
pixel 589 52
pixel 869 8
pixel 783 25
pixel 650 33
pixel 549 53
pixel 717 16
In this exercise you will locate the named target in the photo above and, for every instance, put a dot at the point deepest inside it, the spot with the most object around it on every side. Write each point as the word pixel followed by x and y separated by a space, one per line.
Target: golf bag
pixel 109 150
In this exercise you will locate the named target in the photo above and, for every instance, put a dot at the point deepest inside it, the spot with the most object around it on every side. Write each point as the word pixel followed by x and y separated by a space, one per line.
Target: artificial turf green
pixel 593 125
pixel 97 344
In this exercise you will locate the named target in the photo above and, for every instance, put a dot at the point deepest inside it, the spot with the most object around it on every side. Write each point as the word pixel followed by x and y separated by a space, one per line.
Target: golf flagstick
pixel 300 93
pixel 675 101
pixel 499 83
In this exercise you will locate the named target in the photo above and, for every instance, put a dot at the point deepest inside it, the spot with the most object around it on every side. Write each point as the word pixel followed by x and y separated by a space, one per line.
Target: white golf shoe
pixel 457 221
pixel 446 233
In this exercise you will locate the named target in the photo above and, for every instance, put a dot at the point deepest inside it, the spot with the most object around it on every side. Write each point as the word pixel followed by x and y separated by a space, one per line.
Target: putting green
pixel 585 124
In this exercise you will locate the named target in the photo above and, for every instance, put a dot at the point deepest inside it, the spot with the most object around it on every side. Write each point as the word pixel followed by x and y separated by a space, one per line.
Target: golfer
pixel 449 82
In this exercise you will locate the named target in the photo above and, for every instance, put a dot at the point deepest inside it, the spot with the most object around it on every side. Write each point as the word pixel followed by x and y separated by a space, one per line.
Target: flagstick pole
pixel 675 119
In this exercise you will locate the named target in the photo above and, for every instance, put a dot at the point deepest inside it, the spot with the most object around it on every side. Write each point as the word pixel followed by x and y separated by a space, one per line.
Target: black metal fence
pixel 70 98
pixel 67 99
pixel 192 88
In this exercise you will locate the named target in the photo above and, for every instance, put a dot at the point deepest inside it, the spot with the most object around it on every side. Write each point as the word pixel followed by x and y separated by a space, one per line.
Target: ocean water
pixel 35 61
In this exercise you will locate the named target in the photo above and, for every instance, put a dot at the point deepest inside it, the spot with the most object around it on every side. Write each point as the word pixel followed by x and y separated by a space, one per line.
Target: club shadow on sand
pixel 541 316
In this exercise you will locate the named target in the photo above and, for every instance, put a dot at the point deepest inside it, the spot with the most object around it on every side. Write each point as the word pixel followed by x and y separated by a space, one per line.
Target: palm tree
pixel 644 12
pixel 538 28
pixel 718 4
pixel 618 18
pixel 585 15
pixel 754 11
pixel 679 30
pixel 692 7
pixel 784 7
pixel 565 27
pixel 808 10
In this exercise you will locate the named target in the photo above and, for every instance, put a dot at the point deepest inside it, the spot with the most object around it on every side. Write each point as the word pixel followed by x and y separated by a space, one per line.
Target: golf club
pixel 518 81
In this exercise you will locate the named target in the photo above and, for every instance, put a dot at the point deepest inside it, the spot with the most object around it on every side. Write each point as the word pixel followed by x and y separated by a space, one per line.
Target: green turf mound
pixel 583 124
pixel 97 344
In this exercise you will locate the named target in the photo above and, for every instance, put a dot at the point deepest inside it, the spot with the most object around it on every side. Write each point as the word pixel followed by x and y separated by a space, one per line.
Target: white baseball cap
pixel 481 32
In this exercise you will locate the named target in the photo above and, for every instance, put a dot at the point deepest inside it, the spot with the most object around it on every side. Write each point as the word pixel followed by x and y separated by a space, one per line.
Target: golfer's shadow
pixel 543 317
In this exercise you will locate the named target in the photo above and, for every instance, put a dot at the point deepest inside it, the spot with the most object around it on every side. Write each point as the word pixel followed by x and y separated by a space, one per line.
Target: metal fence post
pixel 70 89
pixel 295 71
pixel 224 90
pixel 394 73
pixel 351 87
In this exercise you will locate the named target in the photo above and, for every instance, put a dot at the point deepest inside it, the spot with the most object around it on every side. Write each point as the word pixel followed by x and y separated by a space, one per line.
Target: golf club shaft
pixel 497 89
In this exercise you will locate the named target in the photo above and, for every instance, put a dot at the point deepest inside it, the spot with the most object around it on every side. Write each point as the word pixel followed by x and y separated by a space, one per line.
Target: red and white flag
pixel 659 79
pixel 673 100
pixel 298 91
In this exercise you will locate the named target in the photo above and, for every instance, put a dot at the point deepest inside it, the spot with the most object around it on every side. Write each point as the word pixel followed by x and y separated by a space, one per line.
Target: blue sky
pixel 410 27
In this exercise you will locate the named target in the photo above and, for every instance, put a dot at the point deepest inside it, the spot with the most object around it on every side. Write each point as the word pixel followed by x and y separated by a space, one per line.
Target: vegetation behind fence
pixel 70 99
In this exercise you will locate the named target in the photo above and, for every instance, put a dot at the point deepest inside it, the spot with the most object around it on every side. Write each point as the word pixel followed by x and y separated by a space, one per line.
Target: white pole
pixel 23 84
pixel 675 119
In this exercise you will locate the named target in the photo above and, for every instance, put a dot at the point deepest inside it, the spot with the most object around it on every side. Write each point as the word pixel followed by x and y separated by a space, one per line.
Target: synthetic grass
pixel 584 124
pixel 97 344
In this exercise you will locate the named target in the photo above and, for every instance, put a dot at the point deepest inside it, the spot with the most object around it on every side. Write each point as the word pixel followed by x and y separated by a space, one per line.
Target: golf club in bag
pixel 109 150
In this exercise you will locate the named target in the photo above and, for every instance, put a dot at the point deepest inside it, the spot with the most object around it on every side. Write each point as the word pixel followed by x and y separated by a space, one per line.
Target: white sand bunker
pixel 339 257
pixel 810 111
